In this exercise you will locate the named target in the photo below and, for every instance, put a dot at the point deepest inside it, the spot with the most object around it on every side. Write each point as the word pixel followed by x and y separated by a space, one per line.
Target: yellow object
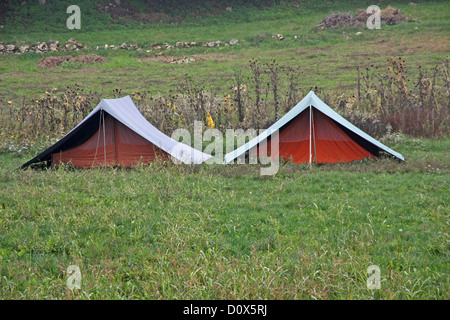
pixel 209 121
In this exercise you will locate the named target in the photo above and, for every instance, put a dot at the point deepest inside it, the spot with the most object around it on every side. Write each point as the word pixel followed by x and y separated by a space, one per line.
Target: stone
pixel 10 48
pixel 54 46
pixel 73 44
pixel 24 49
pixel 234 41
pixel 41 47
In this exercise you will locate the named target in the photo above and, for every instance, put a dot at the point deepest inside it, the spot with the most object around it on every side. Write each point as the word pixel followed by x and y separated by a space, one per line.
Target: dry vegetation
pixel 386 100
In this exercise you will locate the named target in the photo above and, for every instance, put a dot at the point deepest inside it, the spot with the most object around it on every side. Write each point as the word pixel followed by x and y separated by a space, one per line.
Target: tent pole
pixel 114 141
pixel 310 139
pixel 313 136
pixel 104 137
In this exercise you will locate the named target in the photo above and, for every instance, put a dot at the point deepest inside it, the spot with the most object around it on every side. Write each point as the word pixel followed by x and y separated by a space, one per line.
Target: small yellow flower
pixel 10 102
pixel 209 121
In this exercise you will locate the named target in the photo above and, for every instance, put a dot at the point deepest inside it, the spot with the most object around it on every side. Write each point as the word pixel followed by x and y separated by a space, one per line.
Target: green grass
pixel 224 232
pixel 327 58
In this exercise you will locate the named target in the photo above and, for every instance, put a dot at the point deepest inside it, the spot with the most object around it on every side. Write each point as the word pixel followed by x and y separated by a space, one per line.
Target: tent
pixel 312 132
pixel 115 133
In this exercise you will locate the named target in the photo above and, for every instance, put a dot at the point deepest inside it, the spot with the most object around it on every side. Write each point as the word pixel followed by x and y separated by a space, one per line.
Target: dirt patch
pixel 51 62
pixel 389 16
pixel 189 59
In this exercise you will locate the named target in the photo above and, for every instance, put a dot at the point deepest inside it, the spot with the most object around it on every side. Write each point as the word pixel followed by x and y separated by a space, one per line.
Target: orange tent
pixel 114 144
pixel 313 132
pixel 116 134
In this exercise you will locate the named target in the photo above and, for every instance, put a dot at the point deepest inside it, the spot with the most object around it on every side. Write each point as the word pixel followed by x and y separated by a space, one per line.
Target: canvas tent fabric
pixel 313 132
pixel 115 133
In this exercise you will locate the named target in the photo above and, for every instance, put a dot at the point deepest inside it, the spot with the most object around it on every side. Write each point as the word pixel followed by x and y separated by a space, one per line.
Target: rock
pixel 211 44
pixel 24 49
pixel 168 47
pixel 229 9
pixel 10 48
pixel 234 41
pixel 193 44
pixel 106 46
pixel 217 43
pixel 73 44
pixel 2 47
pixel 41 47
pixel 54 46
pixel 179 44
pixel 123 45
pixel 358 33
pixel 278 36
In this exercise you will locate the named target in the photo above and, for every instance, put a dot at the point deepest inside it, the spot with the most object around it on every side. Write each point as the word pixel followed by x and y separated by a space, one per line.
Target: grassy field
pixel 224 232
pixel 328 58
pixel 214 232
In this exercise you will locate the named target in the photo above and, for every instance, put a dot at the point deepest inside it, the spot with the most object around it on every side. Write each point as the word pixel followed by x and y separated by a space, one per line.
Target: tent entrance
pixel 313 137
pixel 113 144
